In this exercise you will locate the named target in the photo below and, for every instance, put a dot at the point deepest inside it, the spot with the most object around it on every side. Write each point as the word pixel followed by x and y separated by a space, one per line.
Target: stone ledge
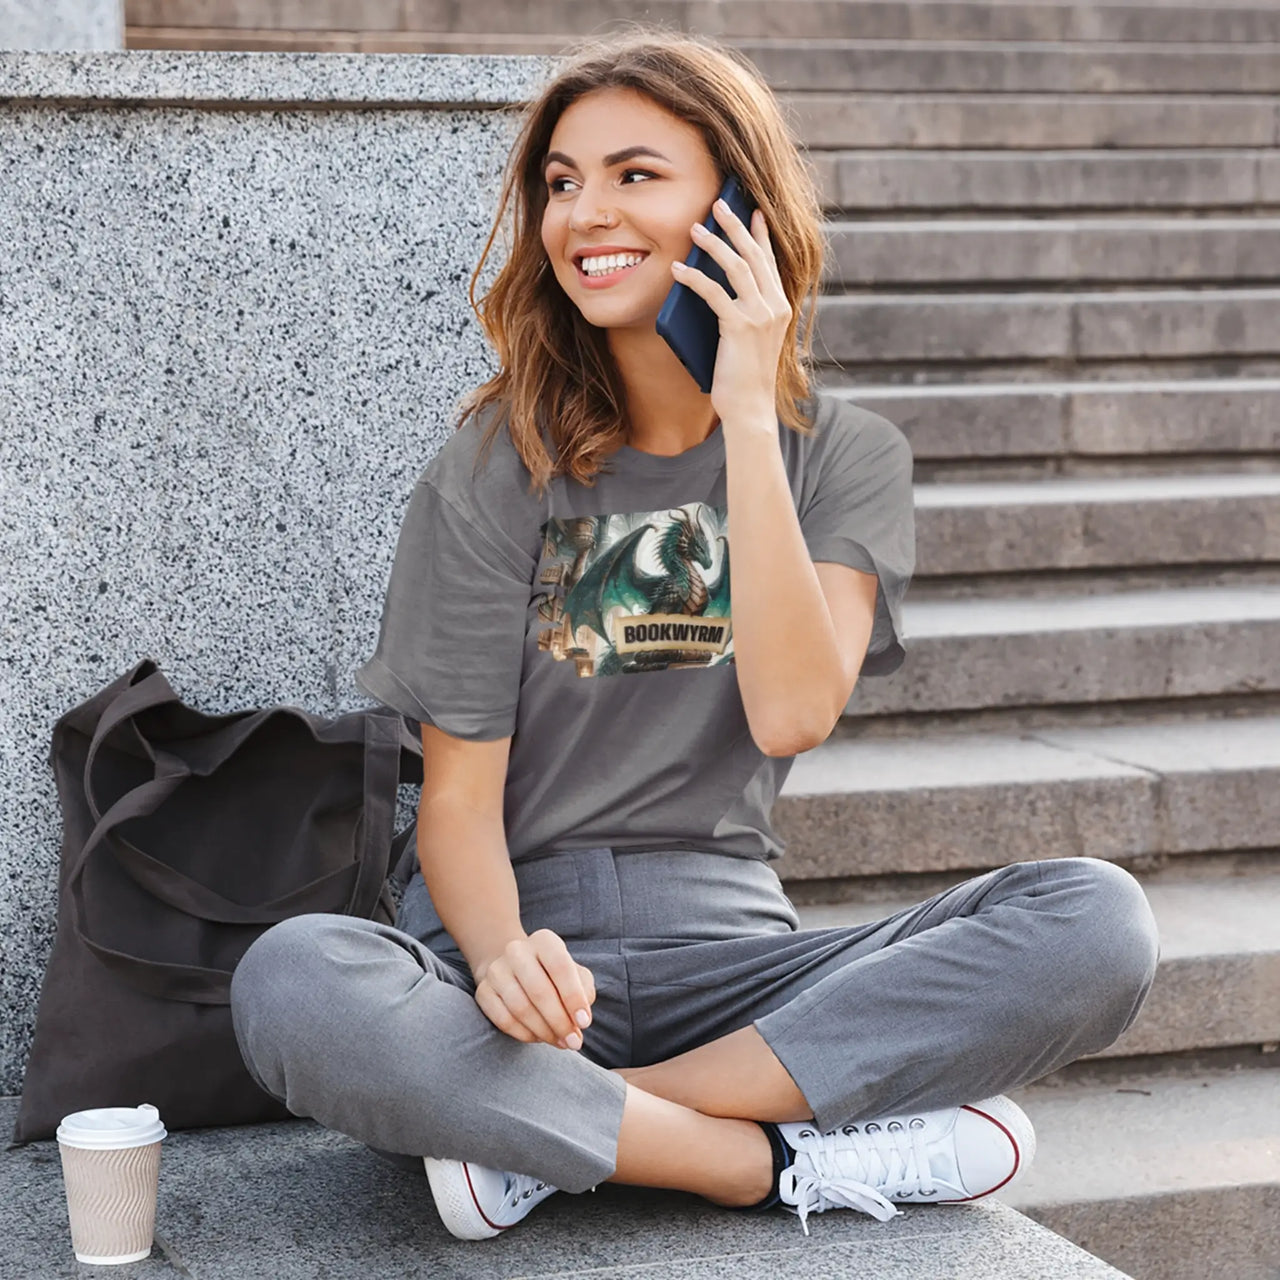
pixel 289 1200
pixel 204 79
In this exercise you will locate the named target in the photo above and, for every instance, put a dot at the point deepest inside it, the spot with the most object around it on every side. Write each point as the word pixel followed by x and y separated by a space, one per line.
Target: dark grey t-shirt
pixel 594 625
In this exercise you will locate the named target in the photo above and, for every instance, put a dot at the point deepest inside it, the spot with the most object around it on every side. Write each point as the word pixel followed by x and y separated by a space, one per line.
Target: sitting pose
pixel 595 974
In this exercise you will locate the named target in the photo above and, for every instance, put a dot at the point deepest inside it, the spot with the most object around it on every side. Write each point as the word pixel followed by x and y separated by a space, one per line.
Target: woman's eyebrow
pixel 616 157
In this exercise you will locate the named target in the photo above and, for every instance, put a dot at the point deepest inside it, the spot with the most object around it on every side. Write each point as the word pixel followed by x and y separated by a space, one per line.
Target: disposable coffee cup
pixel 111 1171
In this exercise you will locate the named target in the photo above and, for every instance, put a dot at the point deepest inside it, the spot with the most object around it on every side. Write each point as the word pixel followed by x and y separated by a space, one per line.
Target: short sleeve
pixel 451 641
pixel 863 515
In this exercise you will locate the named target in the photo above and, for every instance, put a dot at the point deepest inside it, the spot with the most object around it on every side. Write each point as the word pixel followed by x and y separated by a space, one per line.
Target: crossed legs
pixel 999 980
pixel 980 989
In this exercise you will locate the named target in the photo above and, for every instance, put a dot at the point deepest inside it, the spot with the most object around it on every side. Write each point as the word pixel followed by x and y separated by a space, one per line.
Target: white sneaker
pixel 476 1203
pixel 926 1157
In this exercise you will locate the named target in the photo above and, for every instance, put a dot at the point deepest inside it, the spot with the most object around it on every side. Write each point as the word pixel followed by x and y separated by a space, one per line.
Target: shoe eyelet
pixel 806 1133
pixel 873 1127
pixel 850 1128
pixel 542 1186
pixel 894 1126
pixel 527 1194
pixel 917 1123
pixel 934 1192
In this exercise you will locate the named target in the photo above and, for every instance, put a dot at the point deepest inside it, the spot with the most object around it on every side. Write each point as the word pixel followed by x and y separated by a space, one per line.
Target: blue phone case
pixel 688 325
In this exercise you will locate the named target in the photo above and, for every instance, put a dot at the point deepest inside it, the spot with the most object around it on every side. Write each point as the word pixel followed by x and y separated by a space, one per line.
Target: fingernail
pixel 575 1040
pixel 582 1018
pixel 561 1044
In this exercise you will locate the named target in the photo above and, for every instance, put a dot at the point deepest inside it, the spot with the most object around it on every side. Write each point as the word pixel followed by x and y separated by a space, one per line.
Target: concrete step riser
pixel 856 67
pixel 866 807
pixel 1204 1002
pixel 1080 534
pixel 1044 668
pixel 1029 122
pixel 797 19
pixel 1125 249
pixel 940 180
pixel 1166 1237
pixel 1080 419
pixel 960 828
pixel 1128 324
pixel 1049 585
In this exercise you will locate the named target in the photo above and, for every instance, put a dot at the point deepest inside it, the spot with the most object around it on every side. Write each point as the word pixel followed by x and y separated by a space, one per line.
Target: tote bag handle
pixel 360 883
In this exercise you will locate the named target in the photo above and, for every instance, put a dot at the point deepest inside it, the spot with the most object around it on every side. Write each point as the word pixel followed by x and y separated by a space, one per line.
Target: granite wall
pixel 234 328
pixel 62 24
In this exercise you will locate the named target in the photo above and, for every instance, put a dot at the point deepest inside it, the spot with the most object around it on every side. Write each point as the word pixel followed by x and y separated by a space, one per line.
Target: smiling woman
pixel 596 974
pixel 622 152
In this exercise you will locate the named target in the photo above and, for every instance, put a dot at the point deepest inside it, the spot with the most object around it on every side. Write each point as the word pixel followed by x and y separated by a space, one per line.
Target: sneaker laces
pixel 520 1186
pixel 849 1168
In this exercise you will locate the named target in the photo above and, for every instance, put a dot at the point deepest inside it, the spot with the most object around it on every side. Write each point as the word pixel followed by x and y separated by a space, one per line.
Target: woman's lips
pixel 603 282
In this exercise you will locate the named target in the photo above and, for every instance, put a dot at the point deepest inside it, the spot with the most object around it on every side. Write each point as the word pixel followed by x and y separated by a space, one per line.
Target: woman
pixel 595 974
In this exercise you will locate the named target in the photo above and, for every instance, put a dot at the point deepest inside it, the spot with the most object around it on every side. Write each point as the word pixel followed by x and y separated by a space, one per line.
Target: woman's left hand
pixel 753 326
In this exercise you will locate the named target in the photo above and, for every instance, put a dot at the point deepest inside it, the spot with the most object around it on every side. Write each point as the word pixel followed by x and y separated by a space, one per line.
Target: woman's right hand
pixel 534 990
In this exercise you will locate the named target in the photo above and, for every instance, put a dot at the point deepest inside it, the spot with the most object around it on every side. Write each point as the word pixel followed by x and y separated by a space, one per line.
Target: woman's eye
pixel 554 184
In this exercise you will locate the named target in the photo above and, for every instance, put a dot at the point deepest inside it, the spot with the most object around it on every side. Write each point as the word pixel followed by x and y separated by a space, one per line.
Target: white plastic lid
pixel 108 1128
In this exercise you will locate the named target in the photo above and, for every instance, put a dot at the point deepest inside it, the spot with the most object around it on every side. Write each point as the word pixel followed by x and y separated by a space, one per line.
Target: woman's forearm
pixel 785 646
pixel 467 867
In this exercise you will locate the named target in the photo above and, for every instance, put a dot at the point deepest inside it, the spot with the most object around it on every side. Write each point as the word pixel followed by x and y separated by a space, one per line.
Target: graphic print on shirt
pixel 638 591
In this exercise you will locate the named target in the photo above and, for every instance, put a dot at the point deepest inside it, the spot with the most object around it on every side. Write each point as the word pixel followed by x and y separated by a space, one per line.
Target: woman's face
pixel 608 192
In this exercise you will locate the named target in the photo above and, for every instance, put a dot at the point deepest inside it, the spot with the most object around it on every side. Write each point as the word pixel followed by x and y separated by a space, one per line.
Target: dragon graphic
pixel 598 578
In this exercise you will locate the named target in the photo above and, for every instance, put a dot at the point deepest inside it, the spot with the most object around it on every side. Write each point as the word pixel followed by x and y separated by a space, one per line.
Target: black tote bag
pixel 185 836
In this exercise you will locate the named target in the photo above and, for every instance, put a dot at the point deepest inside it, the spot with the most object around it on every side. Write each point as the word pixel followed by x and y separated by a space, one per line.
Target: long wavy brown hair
pixel 557 381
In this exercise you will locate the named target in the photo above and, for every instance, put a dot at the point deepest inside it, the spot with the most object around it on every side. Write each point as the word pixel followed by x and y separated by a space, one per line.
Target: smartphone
pixel 688 325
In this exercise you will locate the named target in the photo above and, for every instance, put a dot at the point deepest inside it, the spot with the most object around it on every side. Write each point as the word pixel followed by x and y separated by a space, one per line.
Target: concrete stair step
pixel 1060 419
pixel 955 66
pixel 1075 325
pixel 984 251
pixel 1170 21
pixel 935 801
pixel 1038 651
pixel 1209 178
pixel 1069 524
pixel 1166 1178
pixel 296 1201
pixel 1218 982
pixel 1032 121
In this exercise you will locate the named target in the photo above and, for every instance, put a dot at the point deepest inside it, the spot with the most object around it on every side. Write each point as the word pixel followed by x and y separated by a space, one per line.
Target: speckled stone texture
pixel 231 337
pixel 61 24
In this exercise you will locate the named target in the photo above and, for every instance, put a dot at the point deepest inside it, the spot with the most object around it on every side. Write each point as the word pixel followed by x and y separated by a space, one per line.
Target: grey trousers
pixel 374 1031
